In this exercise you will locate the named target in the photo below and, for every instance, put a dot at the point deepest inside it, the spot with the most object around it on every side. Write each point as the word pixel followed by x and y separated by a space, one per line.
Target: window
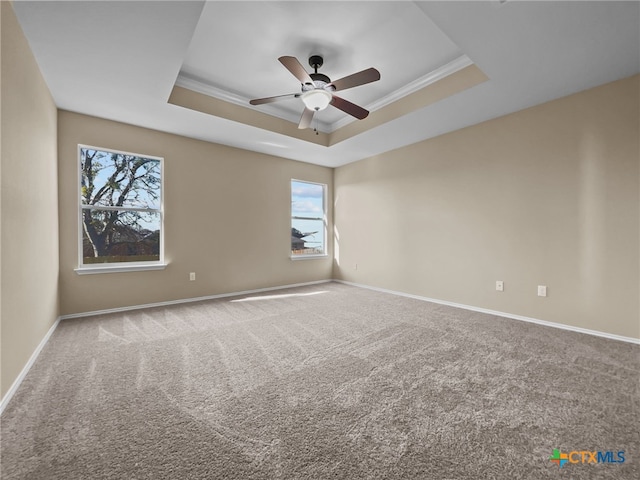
pixel 120 210
pixel 308 219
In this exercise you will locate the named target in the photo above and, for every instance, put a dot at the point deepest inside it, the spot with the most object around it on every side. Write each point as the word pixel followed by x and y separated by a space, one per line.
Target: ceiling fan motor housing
pixel 319 79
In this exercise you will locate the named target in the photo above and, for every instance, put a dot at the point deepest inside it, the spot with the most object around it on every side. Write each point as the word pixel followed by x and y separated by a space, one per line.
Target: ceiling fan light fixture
pixel 316 99
pixel 317 89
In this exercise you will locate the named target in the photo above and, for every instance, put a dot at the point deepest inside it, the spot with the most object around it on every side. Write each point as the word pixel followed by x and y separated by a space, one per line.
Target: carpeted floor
pixel 321 382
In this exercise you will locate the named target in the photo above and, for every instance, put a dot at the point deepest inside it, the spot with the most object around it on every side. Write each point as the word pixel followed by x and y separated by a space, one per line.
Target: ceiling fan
pixel 317 89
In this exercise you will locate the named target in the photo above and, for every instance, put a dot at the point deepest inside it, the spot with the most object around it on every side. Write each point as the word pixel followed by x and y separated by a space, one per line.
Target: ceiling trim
pixel 440 87
pixel 189 82
pixel 445 87
pixel 184 80
pixel 438 74
pixel 186 98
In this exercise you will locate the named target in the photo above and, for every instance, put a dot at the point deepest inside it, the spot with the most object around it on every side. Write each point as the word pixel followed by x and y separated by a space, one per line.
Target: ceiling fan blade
pixel 295 67
pixel 361 78
pixel 277 98
pixel 350 108
pixel 305 120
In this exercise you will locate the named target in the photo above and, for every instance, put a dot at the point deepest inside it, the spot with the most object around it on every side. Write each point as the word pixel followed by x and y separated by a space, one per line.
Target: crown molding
pixel 189 82
pixel 412 87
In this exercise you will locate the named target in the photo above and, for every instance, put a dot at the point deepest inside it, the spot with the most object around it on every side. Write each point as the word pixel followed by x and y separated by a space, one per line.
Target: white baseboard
pixel 499 314
pixel 189 300
pixel 23 373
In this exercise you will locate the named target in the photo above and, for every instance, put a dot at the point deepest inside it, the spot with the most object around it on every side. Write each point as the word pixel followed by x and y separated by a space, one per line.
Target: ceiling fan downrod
pixel 316 61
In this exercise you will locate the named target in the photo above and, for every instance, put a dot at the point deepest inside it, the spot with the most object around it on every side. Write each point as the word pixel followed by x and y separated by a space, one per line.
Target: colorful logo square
pixel 559 458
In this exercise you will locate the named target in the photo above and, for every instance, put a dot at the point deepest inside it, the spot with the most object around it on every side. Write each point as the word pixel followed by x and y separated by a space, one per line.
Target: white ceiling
pixel 120 60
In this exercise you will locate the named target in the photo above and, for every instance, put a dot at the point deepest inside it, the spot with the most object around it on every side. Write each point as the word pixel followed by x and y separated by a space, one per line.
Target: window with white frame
pixel 120 208
pixel 308 219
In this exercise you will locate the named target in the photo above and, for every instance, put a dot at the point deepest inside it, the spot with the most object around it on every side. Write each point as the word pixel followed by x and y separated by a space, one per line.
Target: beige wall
pixel 546 196
pixel 29 202
pixel 226 218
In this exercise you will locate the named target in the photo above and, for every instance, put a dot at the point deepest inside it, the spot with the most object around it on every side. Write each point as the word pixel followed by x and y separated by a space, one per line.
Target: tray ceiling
pixel 396 38
pixel 124 61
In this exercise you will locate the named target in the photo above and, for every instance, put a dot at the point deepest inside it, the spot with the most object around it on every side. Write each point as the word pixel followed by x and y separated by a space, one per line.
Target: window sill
pixel 119 268
pixel 308 257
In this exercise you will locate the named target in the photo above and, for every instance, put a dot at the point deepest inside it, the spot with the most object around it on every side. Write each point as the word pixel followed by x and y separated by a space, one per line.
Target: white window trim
pixel 120 267
pixel 308 256
pixel 311 256
pixel 113 268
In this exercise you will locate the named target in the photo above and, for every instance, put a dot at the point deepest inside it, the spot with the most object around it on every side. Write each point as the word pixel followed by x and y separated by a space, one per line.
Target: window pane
pixel 307 237
pixel 120 236
pixel 119 180
pixel 307 200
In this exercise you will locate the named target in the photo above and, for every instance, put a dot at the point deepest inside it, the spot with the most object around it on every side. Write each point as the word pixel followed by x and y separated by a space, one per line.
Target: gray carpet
pixel 321 382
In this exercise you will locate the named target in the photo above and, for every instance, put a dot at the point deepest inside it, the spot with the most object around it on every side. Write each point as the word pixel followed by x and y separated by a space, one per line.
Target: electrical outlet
pixel 542 290
pixel 499 285
pixel 192 276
